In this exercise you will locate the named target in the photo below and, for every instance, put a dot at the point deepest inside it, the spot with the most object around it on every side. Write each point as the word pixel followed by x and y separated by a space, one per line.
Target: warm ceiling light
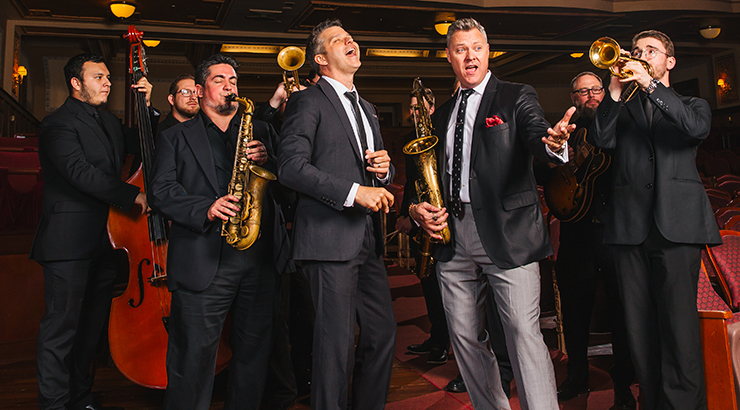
pixel 151 43
pixel 246 48
pixel 122 10
pixel 576 55
pixel 389 52
pixel 710 32
pixel 443 21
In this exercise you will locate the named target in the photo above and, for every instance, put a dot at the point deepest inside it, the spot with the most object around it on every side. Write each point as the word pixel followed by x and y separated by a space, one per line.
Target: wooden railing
pixel 14 118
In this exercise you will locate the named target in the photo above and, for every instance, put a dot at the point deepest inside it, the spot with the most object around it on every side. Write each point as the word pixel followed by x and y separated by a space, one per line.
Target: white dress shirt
pixel 340 90
pixel 471 112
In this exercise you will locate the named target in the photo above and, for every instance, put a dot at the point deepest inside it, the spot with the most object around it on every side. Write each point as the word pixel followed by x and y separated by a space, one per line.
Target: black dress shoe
pixel 572 388
pixel 422 348
pixel 623 399
pixel 96 406
pixel 456 385
pixel 438 356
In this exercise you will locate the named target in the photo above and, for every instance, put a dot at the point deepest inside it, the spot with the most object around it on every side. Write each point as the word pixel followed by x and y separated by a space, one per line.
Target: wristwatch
pixel 653 85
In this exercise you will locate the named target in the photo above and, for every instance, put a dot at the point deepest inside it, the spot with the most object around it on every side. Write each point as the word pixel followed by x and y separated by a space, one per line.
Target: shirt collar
pixel 89 109
pixel 480 88
pixel 339 87
pixel 207 122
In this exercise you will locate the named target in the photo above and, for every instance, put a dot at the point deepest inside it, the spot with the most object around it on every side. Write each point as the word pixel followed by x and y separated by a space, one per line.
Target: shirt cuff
pixel 350 201
pixel 385 180
pixel 562 156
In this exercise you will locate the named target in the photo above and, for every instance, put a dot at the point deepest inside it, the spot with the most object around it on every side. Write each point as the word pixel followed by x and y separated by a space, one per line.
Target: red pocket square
pixel 493 121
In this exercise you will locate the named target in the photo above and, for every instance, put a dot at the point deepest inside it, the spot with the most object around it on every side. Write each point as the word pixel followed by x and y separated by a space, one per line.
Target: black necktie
pixel 99 120
pixel 456 205
pixel 649 108
pixel 361 132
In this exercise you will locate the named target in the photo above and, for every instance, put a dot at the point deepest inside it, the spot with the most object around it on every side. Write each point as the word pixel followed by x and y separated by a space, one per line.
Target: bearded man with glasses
pixel 583 260
pixel 657 245
pixel 183 100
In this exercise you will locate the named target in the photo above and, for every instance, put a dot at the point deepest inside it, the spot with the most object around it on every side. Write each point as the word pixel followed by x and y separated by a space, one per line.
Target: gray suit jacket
pixel 655 176
pixel 320 159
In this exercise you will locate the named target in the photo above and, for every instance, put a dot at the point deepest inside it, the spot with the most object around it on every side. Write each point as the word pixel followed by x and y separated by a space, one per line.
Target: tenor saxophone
pixel 248 183
pixel 427 186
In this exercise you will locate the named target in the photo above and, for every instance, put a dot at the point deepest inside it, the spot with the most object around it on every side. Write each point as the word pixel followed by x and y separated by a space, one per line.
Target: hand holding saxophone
pixel 430 218
pixel 378 162
pixel 560 132
pixel 223 208
pixel 257 152
pixel 375 199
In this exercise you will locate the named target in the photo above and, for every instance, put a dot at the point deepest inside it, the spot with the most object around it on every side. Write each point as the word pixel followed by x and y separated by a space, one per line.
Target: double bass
pixel 137 331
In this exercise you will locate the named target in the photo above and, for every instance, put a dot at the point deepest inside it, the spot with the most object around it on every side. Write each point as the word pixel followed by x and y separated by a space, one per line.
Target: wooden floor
pixel 18 388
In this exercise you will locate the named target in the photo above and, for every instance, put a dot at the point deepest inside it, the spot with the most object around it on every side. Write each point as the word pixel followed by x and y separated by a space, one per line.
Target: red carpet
pixel 413 327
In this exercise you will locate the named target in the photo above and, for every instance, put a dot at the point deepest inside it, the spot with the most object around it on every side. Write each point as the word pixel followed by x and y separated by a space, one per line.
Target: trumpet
pixel 605 53
pixel 291 58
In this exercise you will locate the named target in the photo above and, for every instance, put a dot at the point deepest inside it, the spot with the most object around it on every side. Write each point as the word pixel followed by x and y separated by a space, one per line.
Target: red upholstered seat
pixel 728 177
pixel 726 261
pixel 722 215
pixel 730 187
pixel 733 224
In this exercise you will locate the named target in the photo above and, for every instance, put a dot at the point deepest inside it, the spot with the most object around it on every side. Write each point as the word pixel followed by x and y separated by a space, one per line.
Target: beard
pixel 227 107
pixel 587 112
pixel 186 110
pixel 88 98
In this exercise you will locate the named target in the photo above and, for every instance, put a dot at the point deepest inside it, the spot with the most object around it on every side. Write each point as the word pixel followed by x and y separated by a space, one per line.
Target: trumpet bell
pixel 291 58
pixel 604 52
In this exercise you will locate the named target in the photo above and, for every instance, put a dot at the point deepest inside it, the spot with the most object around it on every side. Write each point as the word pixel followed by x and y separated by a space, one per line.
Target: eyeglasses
pixel 585 91
pixel 186 93
pixel 650 53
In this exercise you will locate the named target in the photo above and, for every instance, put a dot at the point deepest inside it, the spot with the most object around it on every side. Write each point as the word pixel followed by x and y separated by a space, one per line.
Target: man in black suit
pixel 584 260
pixel 207 276
pixel 183 101
pixel 658 220
pixel 82 152
pixel 332 154
pixel 498 231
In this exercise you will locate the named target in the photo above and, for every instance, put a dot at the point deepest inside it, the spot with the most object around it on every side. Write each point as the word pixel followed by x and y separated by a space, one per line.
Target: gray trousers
pixel 463 282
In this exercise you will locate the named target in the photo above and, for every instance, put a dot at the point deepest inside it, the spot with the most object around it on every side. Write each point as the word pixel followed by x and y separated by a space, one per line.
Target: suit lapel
pixel 90 122
pixel 197 138
pixel 634 105
pixel 480 118
pixel 374 125
pixel 333 98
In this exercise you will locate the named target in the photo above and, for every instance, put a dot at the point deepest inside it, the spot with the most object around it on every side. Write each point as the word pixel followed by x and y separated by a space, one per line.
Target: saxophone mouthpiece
pixel 231 97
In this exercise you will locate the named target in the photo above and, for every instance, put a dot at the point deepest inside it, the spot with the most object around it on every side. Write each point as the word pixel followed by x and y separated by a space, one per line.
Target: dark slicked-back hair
pixel 660 36
pixel 314 43
pixel 204 68
pixel 465 24
pixel 73 68
pixel 174 88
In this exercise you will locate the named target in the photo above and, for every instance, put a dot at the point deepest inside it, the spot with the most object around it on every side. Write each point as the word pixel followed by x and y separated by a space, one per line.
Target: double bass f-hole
pixel 155 276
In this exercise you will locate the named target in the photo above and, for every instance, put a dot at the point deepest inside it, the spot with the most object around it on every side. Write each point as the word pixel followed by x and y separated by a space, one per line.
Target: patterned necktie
pixel 352 97
pixel 456 205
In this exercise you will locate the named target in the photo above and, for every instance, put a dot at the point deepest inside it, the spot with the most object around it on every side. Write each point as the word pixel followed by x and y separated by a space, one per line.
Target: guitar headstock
pixel 137 63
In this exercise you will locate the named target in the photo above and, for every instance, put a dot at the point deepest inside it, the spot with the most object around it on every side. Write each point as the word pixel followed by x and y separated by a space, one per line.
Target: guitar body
pixel 570 191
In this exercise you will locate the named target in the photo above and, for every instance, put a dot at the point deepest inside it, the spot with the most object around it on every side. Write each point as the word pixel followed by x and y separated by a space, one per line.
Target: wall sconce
pixel 442 22
pixel 710 32
pixel 18 76
pixel 122 10
pixel 576 55
pixel 151 43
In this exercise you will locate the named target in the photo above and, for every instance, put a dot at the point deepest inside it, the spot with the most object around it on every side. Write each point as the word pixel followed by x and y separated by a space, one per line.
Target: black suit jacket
pixel 319 157
pixel 82 179
pixel 503 191
pixel 655 176
pixel 183 188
